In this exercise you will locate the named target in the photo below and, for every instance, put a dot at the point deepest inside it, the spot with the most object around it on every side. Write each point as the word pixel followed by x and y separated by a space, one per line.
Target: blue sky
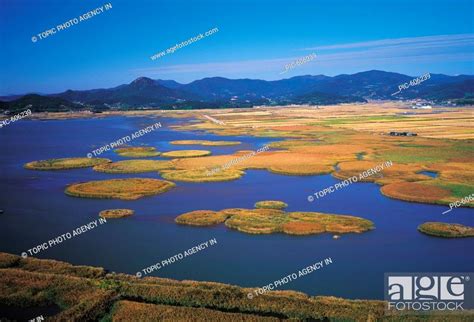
pixel 256 39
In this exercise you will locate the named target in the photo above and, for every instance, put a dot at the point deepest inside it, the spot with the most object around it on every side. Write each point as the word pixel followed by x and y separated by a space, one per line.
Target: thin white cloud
pixel 228 67
pixel 452 39
pixel 369 54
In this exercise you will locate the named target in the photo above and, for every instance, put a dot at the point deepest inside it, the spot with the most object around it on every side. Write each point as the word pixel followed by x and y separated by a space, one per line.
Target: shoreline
pixel 215 296
pixel 93 293
pixel 147 112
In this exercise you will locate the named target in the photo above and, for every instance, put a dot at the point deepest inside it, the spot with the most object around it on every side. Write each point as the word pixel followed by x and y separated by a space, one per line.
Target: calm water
pixel 36 210
pixel 429 173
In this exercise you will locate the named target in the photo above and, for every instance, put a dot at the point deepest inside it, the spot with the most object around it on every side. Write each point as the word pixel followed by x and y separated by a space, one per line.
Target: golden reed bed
pixel 351 137
pixel 85 293
pixel 270 220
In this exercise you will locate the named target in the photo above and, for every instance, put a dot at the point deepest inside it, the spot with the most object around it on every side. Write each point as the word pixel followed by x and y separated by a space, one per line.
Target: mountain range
pixel 219 92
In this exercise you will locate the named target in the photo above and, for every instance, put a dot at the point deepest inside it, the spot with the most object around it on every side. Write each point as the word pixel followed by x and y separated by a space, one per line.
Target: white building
pixel 420 106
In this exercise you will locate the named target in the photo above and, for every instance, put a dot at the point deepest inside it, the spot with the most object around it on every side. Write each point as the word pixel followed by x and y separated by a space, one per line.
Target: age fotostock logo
pixel 424 292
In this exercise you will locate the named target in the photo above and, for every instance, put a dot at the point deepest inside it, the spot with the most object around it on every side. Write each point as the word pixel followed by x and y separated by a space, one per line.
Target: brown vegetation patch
pixel 389 174
pixel 65 163
pixel 135 311
pixel 455 171
pixel 268 221
pixel 446 230
pixel 8 260
pixel 202 175
pixel 137 152
pixel 185 153
pixel 116 213
pixel 282 162
pixel 415 192
pixel 303 228
pixel 201 218
pixel 271 204
pixel 134 166
pixel 127 189
pixel 91 298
